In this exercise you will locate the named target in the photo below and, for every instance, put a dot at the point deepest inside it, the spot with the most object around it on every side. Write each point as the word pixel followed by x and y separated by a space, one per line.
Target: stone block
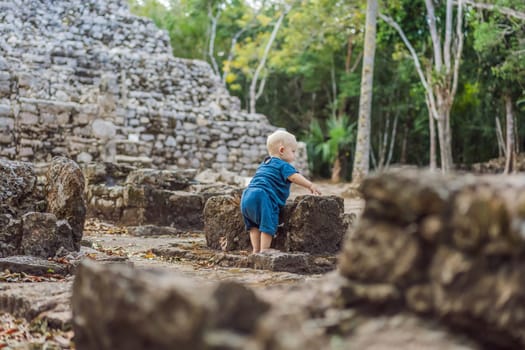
pixel 65 196
pixel 275 260
pixel 313 224
pixel 118 307
pixel 17 182
pixel 10 235
pixel 174 180
pixel 32 265
pixel 223 224
pixel 39 235
pixel 132 217
pixel 146 205
pixel 5 111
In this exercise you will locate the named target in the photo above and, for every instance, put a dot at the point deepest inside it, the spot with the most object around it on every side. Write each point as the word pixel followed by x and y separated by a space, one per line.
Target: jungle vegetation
pixel 448 82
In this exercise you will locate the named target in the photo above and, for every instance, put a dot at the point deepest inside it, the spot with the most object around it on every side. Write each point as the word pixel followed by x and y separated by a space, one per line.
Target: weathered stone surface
pixel 32 265
pixel 44 301
pixel 146 196
pixel 174 312
pixel 152 230
pixel 19 192
pixel 391 255
pixel 173 180
pixel 275 260
pixel 300 263
pixel 10 235
pixel 148 205
pixel 65 198
pixel 223 224
pixel 39 235
pixel 222 176
pixel 449 246
pixel 314 224
pixel 30 207
pixel 105 202
pixel 106 173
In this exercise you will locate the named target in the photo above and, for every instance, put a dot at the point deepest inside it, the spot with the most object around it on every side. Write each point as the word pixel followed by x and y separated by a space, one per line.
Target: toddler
pixel 267 192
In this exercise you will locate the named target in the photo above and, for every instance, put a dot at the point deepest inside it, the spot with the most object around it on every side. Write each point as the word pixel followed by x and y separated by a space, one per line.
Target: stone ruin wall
pixel 450 247
pixel 90 81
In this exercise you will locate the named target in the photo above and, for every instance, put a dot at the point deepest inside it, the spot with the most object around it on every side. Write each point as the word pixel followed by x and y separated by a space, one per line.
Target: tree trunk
pixel 362 152
pixel 213 34
pixel 510 154
pixel 262 63
pixel 392 141
pixel 432 128
pixel 349 69
pixel 499 137
pixel 404 144
pixel 336 171
pixel 440 94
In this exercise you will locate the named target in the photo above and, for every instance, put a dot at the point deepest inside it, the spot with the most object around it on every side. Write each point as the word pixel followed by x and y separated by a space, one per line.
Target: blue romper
pixel 266 195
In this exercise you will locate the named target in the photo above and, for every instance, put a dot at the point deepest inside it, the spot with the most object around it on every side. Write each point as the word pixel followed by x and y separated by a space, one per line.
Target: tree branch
pixel 504 10
pixel 211 46
pixel 356 63
pixel 434 34
pixel 459 50
pixel 410 48
pixel 235 38
pixel 262 63
pixel 261 87
pixel 448 36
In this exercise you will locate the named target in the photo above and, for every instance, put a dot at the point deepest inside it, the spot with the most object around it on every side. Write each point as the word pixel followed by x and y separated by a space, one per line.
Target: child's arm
pixel 302 181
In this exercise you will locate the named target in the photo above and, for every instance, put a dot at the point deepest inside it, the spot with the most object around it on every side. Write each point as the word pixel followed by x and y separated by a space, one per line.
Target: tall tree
pixel 255 92
pixel 446 56
pixel 362 151
pixel 498 33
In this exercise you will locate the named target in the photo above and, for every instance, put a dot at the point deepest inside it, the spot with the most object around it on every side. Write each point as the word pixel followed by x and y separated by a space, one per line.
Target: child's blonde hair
pixel 277 139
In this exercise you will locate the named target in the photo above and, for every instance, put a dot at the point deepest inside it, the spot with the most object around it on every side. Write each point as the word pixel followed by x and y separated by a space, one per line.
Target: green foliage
pixel 323 148
pixel 487 36
pixel 314 138
pixel 308 77
pixel 186 22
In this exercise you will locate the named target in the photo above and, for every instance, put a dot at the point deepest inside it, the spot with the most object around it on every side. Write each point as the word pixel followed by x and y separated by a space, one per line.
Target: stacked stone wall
pixel 90 81
pixel 451 247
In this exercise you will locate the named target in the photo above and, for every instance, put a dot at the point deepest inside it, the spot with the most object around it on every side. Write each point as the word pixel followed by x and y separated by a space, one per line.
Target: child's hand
pixel 314 190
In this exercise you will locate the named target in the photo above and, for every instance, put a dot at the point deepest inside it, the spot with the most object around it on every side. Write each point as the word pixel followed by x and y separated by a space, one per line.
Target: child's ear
pixel 281 149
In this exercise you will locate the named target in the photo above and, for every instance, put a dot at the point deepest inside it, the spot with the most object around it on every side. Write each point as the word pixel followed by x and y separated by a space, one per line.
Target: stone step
pixel 141 161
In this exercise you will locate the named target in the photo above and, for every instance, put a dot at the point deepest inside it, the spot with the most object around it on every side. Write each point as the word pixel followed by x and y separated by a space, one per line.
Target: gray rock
pixel 47 301
pixel 174 180
pixel 152 230
pixel 111 303
pixel 10 235
pixel 314 224
pixel 275 260
pixel 145 205
pixel 223 224
pixel 39 235
pixel 33 265
pixel 65 199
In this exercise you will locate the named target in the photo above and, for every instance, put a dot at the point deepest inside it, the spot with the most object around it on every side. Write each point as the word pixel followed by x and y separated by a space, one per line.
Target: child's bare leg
pixel 266 241
pixel 255 239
